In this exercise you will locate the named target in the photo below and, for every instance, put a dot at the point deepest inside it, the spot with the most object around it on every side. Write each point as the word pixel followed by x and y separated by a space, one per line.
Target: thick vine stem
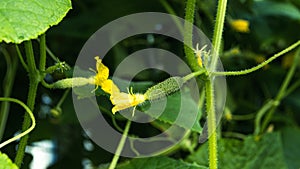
pixel 209 86
pixel 30 115
pixel 34 78
pixel 211 124
pixel 218 30
pixel 188 35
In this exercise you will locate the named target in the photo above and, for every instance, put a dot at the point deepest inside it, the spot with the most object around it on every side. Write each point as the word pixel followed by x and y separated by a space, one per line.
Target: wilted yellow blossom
pixel 240 25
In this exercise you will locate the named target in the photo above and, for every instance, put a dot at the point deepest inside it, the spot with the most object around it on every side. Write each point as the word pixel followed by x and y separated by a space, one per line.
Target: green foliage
pixel 180 110
pixel 265 153
pixel 274 25
pixel 23 20
pixel 6 163
pixel 290 137
pixel 156 163
pixel 273 8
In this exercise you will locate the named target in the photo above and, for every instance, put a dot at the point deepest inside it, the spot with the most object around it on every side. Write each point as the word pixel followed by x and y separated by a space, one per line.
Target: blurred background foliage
pixel 273 25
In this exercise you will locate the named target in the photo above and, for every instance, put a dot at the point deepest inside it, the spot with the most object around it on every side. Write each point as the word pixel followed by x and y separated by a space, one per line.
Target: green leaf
pixel 180 109
pixel 273 8
pixel 265 153
pixel 155 163
pixel 290 143
pixel 6 163
pixel 24 20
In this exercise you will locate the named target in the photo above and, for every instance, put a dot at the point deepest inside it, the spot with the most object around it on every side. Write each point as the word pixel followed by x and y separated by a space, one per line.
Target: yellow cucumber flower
pixel 120 100
pixel 123 100
pixel 240 25
pixel 101 78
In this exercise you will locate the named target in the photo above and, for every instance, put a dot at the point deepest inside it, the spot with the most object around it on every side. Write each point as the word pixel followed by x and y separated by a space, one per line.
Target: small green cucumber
pixel 164 88
pixel 70 82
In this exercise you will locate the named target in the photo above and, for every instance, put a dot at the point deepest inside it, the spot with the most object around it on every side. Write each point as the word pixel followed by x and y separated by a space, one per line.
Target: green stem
pixel 42 52
pixel 218 30
pixel 52 55
pixel 243 72
pixel 188 35
pixel 55 58
pixel 63 98
pixel 282 90
pixel 34 79
pixel 194 74
pixel 172 149
pixel 211 125
pixel 30 57
pixel 292 88
pixel 12 64
pixel 30 114
pixel 113 118
pixel 260 114
pixel 116 157
pixel 21 58
pixel 209 86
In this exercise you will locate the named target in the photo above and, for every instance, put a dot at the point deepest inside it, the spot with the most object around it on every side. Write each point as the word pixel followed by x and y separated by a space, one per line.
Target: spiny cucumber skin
pixel 164 88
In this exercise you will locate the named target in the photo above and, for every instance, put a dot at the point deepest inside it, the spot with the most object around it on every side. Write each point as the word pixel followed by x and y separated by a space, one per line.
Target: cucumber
pixel 164 88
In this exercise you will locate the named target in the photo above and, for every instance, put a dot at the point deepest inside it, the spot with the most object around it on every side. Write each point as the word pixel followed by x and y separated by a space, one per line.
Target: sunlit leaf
pixel 6 163
pixel 23 20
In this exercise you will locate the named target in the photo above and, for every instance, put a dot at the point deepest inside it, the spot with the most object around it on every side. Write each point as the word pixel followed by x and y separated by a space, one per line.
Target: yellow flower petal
pixel 124 100
pixel 240 25
pixel 109 87
pixel 119 99
pixel 102 72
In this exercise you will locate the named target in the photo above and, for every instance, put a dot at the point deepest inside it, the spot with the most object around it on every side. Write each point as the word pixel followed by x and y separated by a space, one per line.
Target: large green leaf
pixel 23 20
pixel 180 109
pixel 265 153
pixel 156 163
pixel 6 163
pixel 274 8
pixel 291 142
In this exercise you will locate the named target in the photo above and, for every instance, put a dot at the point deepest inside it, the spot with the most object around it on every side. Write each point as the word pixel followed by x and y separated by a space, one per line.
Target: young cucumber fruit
pixel 164 88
